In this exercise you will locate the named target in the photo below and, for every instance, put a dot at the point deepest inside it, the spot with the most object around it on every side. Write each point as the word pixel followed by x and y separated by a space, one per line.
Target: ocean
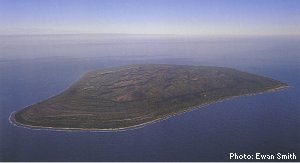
pixel 33 68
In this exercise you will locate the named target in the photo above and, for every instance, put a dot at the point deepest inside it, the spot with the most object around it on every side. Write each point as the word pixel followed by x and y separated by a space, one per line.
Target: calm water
pixel 268 123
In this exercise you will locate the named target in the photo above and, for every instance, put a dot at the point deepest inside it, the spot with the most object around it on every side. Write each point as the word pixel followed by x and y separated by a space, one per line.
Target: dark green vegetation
pixel 133 95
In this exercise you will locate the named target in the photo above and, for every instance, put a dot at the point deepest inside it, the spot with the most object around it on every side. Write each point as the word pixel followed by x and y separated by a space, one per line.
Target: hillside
pixel 134 95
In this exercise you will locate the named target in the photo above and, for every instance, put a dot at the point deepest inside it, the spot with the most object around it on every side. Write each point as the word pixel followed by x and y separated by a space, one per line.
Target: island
pixel 133 96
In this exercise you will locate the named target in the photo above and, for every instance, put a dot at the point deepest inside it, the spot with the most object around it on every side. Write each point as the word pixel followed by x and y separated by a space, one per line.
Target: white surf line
pixel 134 127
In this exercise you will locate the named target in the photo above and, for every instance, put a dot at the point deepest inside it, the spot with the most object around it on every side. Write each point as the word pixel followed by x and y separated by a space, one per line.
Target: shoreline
pixel 134 127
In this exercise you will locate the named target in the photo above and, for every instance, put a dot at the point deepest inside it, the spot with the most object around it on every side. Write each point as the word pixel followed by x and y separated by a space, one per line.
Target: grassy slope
pixel 132 95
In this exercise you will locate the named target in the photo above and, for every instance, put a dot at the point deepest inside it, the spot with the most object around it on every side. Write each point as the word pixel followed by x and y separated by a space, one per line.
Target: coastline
pixel 189 109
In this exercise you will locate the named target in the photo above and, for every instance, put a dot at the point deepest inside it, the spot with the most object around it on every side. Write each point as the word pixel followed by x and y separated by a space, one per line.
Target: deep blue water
pixel 266 123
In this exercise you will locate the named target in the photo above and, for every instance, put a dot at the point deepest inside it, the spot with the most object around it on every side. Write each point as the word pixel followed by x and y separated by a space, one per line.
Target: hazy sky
pixel 204 17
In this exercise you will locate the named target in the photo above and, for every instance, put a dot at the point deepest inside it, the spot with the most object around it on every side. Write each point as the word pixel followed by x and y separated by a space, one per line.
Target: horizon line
pixel 154 34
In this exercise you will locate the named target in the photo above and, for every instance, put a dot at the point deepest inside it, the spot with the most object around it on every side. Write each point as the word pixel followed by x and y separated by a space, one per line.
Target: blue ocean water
pixel 267 123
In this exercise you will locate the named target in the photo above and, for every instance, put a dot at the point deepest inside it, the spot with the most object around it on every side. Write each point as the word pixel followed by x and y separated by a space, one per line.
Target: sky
pixel 179 17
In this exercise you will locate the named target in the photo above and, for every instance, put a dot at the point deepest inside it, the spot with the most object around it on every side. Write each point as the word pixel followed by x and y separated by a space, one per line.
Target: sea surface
pixel 35 68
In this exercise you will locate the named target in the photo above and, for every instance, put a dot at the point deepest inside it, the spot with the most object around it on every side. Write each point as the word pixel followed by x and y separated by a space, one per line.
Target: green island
pixel 135 95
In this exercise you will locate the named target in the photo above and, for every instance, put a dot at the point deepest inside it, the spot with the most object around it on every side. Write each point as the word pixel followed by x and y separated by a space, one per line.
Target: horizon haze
pixel 177 17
